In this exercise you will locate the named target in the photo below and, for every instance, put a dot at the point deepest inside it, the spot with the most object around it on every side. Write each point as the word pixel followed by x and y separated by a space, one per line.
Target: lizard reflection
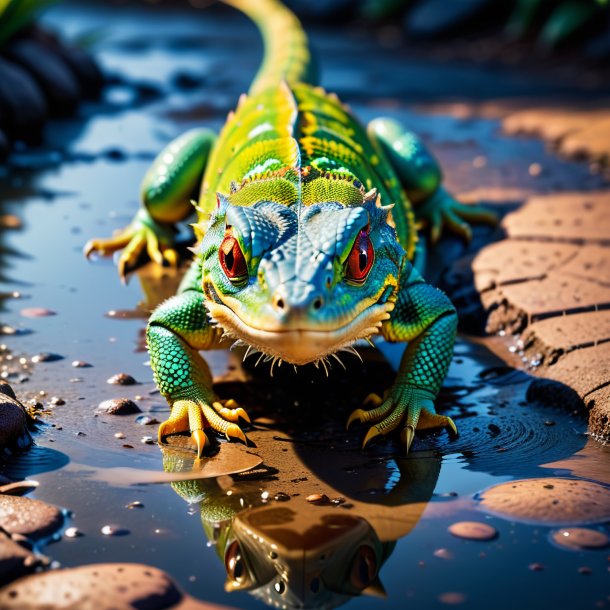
pixel 292 553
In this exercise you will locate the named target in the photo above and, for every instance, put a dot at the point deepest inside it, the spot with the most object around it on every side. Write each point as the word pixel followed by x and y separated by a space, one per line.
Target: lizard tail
pixel 287 56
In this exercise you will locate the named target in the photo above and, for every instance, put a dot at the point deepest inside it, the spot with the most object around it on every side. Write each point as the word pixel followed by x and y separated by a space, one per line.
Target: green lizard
pixel 300 252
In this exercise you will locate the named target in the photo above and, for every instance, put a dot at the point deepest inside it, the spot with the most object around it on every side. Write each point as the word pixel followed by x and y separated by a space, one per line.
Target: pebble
pixel 535 567
pixel 147 440
pixel 146 420
pixel 317 499
pixel 535 169
pixel 443 554
pixel 46 357
pixel 280 496
pixel 55 400
pixel 135 504
pixel 113 530
pixel 118 406
pixel 72 532
pixel 585 570
pixel 119 435
pixel 121 379
pixel 579 538
pixel 37 312
pixel 81 364
pixel 473 530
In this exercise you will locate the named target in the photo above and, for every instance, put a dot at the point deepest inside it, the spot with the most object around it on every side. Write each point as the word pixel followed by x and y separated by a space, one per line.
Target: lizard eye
pixel 364 567
pixel 232 260
pixel 360 259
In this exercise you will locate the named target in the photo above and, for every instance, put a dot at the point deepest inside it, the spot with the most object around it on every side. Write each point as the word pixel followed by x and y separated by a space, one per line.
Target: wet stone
pixel 113 530
pixel 31 518
pixel 13 420
pixel 118 406
pixel 55 400
pixel 46 357
pixel 135 504
pixel 281 497
pixel 15 559
pixel 81 364
pixel 72 532
pixel 535 567
pixel 567 502
pixel 578 538
pixel 121 379
pixel 146 420
pixel 37 312
pixel 317 499
pixel 473 530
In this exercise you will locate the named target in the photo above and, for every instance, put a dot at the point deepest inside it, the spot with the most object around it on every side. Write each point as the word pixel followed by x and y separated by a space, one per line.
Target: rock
pixel 102 586
pixel 121 379
pixel 592 142
pixel 15 560
pixel 22 103
pixel 31 518
pixel 14 433
pixel 548 501
pixel 473 530
pixel 118 406
pixel 579 538
pixel 50 72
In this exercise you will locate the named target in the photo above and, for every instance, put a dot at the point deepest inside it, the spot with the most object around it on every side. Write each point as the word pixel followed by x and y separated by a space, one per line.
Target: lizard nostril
pixel 279 303
pixel 317 303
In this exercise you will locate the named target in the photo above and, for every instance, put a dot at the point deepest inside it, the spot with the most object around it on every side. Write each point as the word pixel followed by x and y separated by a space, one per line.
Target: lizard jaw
pixel 301 346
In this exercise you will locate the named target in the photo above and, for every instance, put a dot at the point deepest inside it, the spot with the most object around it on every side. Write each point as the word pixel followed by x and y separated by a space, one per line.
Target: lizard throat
pixel 300 346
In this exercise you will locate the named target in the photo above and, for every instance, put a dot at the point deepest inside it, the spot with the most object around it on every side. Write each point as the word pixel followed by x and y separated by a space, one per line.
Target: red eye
pixel 232 259
pixel 360 259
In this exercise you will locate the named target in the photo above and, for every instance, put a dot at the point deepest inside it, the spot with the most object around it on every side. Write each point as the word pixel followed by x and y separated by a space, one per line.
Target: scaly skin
pixel 300 254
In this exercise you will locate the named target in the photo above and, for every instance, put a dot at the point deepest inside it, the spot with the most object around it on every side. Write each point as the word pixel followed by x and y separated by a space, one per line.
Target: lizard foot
pixel 441 211
pixel 403 405
pixel 142 235
pixel 196 416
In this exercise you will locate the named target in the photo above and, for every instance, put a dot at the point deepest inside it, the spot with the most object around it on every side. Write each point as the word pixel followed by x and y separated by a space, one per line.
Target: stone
pixel 118 406
pixel 102 586
pixel 22 103
pixel 15 560
pixel 548 501
pixel 31 518
pixel 14 433
pixel 579 538
pixel 50 72
pixel 473 530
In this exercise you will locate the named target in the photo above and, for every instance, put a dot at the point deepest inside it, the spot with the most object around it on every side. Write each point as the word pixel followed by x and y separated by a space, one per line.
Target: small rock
pixel 147 440
pixel 55 400
pixel 535 169
pixel 37 312
pixel 72 532
pixel 443 554
pixel 473 530
pixel 121 379
pixel 46 357
pixel 14 431
pixel 119 435
pixel 579 538
pixel 452 598
pixel 135 504
pixel 535 567
pixel 80 364
pixel 146 420
pixel 113 530
pixel 585 570
pixel 118 406
pixel 317 499
pixel 32 518
pixel 280 496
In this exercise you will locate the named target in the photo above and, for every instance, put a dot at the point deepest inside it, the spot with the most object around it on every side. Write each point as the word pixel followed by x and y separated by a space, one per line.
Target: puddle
pixel 378 520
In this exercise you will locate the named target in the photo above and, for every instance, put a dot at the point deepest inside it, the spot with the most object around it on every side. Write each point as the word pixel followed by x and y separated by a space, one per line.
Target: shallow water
pixel 85 183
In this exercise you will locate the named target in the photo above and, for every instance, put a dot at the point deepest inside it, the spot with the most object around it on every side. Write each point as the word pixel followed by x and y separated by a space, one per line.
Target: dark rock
pixel 14 433
pixel 118 406
pixel 15 560
pixel 50 72
pixel 22 103
pixel 31 518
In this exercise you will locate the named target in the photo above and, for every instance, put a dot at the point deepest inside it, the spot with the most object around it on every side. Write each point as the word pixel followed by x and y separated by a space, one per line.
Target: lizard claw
pixel 372 399
pixel 200 440
pixel 356 415
pixel 236 432
pixel 451 425
pixel 407 435
pixel 370 435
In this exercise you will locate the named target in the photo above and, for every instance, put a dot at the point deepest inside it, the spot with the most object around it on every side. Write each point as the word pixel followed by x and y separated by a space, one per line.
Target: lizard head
pixel 300 283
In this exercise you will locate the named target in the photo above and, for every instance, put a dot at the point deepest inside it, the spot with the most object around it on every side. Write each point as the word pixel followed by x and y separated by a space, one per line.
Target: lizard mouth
pixel 301 346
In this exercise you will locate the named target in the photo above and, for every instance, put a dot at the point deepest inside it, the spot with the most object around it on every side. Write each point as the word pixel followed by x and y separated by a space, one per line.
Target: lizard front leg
pixel 177 330
pixel 425 318
pixel 173 179
pixel 421 177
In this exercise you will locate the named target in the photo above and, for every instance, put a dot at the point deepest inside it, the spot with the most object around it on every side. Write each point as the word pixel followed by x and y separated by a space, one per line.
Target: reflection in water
pixel 293 553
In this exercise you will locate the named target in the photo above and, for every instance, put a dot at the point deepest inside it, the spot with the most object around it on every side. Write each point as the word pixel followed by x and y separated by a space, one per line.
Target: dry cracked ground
pixel 547 283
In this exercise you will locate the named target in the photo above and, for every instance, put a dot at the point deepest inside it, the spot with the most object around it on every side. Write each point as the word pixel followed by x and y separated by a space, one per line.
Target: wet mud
pixel 301 515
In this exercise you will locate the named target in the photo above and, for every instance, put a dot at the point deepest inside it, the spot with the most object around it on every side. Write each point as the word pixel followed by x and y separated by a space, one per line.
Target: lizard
pixel 307 234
